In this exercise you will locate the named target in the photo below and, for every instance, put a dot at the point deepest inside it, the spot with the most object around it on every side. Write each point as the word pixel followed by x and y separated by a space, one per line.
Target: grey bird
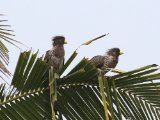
pixel 55 56
pixel 107 61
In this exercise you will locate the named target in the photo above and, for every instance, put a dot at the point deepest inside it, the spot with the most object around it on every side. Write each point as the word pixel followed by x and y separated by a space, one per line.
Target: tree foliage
pixel 6 36
pixel 84 93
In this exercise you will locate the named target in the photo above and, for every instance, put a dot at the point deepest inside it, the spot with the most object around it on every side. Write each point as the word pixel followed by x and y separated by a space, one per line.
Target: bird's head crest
pixel 114 52
pixel 58 40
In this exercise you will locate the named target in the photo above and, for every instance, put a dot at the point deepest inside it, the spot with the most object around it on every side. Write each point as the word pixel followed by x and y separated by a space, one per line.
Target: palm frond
pixel 4 57
pixel 15 105
pixel 25 93
pixel 134 89
pixel 31 72
pixel 6 35
pixel 131 95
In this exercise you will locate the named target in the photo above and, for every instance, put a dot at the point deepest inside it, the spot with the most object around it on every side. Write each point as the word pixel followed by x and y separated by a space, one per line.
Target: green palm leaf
pixel 6 36
pixel 18 99
pixel 131 95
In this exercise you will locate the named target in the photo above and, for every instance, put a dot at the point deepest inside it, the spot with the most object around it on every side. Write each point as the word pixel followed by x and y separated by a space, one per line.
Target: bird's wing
pixel 98 61
pixel 47 56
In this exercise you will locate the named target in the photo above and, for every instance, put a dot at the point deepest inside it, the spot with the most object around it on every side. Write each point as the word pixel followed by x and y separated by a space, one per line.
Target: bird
pixel 55 56
pixel 107 61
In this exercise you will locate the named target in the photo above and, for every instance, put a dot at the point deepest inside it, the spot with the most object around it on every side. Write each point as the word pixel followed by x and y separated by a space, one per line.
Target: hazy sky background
pixel 133 26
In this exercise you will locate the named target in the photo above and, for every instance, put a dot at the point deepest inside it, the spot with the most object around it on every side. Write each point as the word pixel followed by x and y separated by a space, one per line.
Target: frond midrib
pixel 18 96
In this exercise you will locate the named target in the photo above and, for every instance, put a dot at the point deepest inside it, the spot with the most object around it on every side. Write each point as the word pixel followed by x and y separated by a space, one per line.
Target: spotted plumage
pixel 55 56
pixel 109 60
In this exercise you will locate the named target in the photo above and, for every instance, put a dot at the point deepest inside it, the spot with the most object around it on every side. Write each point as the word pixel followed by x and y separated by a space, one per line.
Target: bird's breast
pixel 59 51
pixel 111 61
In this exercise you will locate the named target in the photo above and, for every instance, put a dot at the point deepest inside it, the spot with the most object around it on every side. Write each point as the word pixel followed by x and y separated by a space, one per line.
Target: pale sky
pixel 133 26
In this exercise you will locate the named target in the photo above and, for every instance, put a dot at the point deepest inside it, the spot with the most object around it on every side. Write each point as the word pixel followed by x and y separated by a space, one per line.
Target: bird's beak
pixel 121 53
pixel 65 42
